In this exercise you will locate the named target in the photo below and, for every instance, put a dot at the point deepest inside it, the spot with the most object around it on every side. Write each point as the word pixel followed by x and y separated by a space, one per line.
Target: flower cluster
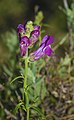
pixel 28 35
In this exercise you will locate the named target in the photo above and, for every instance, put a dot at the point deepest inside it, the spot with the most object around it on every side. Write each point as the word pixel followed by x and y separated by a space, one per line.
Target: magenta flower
pixel 34 36
pixel 20 29
pixel 25 41
pixel 44 49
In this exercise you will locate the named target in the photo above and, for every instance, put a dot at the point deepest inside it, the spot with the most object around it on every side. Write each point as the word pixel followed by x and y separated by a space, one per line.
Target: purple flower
pixel 24 43
pixel 20 29
pixel 27 41
pixel 34 36
pixel 36 27
pixel 44 49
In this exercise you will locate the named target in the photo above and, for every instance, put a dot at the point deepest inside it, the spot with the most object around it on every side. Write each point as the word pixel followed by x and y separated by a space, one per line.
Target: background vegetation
pixel 53 89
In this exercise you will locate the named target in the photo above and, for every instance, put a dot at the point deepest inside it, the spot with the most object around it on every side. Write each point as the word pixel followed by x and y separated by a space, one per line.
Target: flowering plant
pixel 28 35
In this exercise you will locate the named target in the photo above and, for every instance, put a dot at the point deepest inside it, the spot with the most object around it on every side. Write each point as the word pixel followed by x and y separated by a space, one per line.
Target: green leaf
pixel 17 107
pixel 38 18
pixel 31 75
pixel 39 111
pixel 37 87
pixel 16 79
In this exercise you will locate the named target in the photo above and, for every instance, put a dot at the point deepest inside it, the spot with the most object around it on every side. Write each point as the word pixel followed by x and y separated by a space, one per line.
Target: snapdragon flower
pixel 44 49
pixel 28 35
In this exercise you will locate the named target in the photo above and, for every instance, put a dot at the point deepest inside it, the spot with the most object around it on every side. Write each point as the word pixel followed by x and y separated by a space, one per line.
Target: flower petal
pixel 34 36
pixel 23 48
pixel 48 51
pixel 45 38
pixel 48 40
pixel 25 40
pixel 21 31
pixel 20 28
pixel 37 27
pixel 37 54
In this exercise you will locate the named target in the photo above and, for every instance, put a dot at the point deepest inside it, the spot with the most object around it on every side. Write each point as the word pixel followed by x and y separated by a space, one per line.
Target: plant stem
pixel 25 94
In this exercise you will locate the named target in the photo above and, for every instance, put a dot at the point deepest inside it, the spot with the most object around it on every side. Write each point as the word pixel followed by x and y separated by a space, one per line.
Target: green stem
pixel 28 114
pixel 27 105
pixel 25 94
